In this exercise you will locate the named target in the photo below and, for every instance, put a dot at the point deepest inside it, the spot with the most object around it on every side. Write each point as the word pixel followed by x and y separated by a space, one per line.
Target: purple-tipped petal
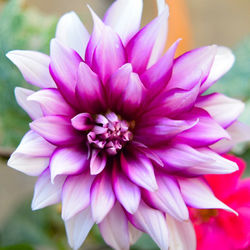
pixel 46 193
pixel 124 17
pixel 28 164
pixel 52 102
pixel 114 228
pixel 34 66
pixel 139 170
pixel 82 122
pixel 33 144
pixel 181 234
pixel 223 61
pixel 76 194
pixel 126 192
pixel 198 194
pixel 33 109
pixel 68 161
pixel 218 105
pixel 72 33
pixel 102 197
pixel 152 222
pixel 57 130
pixel 98 162
pixel 63 68
pixel 167 198
pixel 147 42
pixel 194 62
pixel 89 90
pixel 78 227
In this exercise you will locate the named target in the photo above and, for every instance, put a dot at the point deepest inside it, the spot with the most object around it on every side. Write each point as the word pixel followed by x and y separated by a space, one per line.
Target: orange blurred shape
pixel 179 26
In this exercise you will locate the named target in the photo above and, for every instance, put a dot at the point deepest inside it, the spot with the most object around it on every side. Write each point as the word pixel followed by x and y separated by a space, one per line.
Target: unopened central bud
pixel 109 133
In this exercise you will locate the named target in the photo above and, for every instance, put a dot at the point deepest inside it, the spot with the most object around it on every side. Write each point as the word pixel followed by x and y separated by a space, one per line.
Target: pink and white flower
pixel 122 134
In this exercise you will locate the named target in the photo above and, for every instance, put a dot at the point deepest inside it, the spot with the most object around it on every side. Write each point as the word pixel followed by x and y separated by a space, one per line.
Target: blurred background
pixel 30 24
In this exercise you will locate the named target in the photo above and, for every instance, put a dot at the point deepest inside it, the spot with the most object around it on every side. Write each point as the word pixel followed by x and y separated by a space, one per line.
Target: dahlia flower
pixel 217 229
pixel 122 133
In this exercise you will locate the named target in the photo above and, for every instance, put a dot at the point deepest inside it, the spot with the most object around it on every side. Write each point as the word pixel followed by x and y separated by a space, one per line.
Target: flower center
pixel 109 133
pixel 203 215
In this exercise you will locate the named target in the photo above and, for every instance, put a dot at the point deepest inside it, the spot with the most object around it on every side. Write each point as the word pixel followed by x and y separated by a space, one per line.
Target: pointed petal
pixel 63 68
pixel 78 227
pixel 34 145
pixel 167 198
pixel 102 197
pixel 52 102
pixel 124 17
pixel 218 105
pixel 34 67
pixel 147 42
pixel 33 109
pixel 114 229
pixel 152 222
pixel 181 234
pixel 68 161
pixel 57 130
pixel 46 193
pixel 134 234
pixel 72 33
pixel 98 162
pixel 139 170
pixel 126 192
pixel 198 194
pixel 89 90
pixel 82 122
pixel 76 194
pixel 28 164
pixel 223 61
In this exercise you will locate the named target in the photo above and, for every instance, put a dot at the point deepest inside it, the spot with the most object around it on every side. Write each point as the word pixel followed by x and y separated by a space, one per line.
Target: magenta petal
pixel 139 170
pixel 82 122
pixel 102 197
pixel 52 102
pixel 141 46
pixel 167 198
pixel 89 90
pixel 98 162
pixel 152 222
pixel 124 17
pixel 114 228
pixel 218 106
pixel 46 193
pixel 76 194
pixel 68 161
pixel 127 193
pixel 63 68
pixel 57 130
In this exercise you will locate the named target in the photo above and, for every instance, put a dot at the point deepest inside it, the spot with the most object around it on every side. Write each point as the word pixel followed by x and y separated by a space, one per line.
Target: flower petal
pixel 181 234
pixel 57 130
pixel 46 193
pixel 167 198
pixel 114 229
pixel 68 161
pixel 102 197
pixel 78 227
pixel 52 102
pixel 98 162
pixel 139 170
pixel 126 192
pixel 124 17
pixel 76 194
pixel 134 234
pixel 218 105
pixel 148 43
pixel 82 122
pixel 63 68
pixel 152 222
pixel 72 33
pixel 34 66
pixel 33 109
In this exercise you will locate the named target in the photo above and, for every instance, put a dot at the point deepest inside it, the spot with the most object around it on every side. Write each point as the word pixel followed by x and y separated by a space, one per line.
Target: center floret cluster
pixel 109 133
